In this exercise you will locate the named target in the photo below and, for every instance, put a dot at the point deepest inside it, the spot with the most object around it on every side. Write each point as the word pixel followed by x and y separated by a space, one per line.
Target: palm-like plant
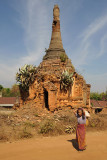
pixel 26 76
pixel 66 80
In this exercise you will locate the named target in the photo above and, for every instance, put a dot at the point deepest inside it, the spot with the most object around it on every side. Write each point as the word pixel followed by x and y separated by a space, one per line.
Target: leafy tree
pixel 1 87
pixel 15 90
pixel 6 92
pixel 98 96
pixel 11 92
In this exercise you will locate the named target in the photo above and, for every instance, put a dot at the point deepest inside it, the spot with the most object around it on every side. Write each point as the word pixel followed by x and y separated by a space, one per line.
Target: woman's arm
pixel 83 111
pixel 75 112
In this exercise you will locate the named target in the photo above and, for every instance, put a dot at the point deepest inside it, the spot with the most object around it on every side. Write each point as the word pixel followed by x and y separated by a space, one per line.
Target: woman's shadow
pixel 74 143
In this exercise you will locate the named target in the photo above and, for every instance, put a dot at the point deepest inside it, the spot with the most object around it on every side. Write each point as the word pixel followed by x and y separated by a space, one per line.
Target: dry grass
pixel 25 133
pixel 98 122
pixel 46 124
pixel 49 127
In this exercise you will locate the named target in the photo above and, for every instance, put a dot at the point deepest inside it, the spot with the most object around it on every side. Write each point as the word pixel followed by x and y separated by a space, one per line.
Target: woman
pixel 81 128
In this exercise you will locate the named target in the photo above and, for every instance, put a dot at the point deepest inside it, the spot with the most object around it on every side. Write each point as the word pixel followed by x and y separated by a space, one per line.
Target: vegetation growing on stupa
pixel 63 57
pixel 26 76
pixel 66 80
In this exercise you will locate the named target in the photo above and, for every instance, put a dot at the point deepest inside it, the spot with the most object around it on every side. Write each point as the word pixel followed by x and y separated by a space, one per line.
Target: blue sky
pixel 25 32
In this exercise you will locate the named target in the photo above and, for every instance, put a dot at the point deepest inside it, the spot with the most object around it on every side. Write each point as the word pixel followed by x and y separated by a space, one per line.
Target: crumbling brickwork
pixel 46 89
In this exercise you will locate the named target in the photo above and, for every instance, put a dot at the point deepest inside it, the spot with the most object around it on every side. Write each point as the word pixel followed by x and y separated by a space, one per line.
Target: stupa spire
pixel 56 41
pixel 56 47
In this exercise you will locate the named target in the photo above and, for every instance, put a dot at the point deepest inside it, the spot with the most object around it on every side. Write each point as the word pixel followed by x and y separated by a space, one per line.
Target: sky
pixel 25 32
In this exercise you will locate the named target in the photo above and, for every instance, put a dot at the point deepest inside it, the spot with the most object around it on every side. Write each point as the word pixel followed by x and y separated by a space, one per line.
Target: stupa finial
pixel 56 12
pixel 56 41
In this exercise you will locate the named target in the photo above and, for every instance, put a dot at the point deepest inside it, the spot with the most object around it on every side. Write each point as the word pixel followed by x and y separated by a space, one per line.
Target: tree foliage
pixel 1 87
pixel 10 92
pixel 98 96
pixel 15 90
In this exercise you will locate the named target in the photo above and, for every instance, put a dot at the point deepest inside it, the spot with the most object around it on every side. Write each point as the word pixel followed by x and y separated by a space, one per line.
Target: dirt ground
pixel 56 148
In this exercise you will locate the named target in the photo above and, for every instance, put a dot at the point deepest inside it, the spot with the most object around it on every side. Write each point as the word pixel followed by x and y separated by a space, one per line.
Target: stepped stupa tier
pixel 54 74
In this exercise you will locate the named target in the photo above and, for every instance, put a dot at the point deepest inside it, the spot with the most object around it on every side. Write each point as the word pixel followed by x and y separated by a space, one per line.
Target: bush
pixel 26 76
pixel 25 134
pixel 68 119
pixel 50 127
pixel 63 57
pixel 29 124
pixel 46 126
pixel 97 122
pixel 70 129
pixel 66 80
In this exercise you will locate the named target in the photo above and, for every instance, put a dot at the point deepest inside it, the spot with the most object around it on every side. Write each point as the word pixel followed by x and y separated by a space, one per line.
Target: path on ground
pixel 56 148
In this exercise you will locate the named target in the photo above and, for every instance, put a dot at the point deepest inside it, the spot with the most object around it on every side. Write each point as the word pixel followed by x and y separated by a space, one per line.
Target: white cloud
pixel 34 21
pixel 86 51
pixel 94 27
pixel 103 44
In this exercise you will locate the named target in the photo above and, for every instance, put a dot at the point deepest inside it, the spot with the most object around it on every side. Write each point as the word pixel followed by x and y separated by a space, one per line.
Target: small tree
pixel 1 87
pixel 98 96
pixel 15 90
pixel 6 92
pixel 26 76
pixel 66 80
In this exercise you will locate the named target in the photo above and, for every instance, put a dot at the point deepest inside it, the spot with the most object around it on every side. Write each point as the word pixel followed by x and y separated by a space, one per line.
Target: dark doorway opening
pixel 97 110
pixel 46 98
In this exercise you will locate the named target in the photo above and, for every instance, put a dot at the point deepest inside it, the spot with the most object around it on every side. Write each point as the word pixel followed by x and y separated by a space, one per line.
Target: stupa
pixel 46 91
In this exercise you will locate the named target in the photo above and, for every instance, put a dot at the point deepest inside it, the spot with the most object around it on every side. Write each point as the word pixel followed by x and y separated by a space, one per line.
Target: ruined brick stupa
pixel 46 90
